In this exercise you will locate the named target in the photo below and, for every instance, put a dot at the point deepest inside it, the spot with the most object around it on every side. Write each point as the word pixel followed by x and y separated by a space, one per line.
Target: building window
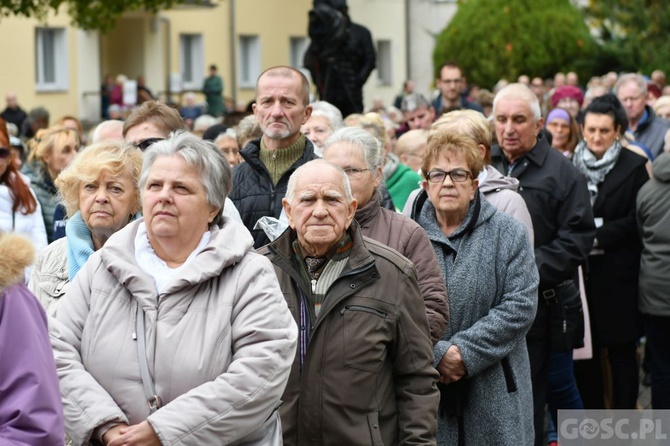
pixel 51 58
pixel 191 61
pixel 384 66
pixel 298 48
pixel 250 61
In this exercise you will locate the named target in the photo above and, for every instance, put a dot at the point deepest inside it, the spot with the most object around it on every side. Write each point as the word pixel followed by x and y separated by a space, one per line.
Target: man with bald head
pixel 364 368
pixel 281 108
pixel 13 113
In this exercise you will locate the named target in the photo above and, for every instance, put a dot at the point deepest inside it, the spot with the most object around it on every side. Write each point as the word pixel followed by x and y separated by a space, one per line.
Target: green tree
pixel 90 15
pixel 493 39
pixel 637 31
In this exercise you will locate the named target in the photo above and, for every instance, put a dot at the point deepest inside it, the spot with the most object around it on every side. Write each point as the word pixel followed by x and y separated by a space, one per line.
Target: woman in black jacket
pixel 614 175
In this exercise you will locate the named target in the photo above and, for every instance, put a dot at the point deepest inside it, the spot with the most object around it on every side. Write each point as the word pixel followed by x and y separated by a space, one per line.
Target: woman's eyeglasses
pixel 5 152
pixel 457 175
pixel 145 143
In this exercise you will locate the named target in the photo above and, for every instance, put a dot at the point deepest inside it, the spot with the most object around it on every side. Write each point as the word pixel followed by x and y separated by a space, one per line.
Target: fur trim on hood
pixel 16 253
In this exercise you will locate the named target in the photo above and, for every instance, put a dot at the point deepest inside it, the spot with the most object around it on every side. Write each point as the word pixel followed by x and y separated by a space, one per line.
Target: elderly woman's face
pixel 560 132
pixel 107 204
pixel 599 133
pixel 350 158
pixel 62 155
pixel 317 129
pixel 451 198
pixel 174 202
pixel 228 146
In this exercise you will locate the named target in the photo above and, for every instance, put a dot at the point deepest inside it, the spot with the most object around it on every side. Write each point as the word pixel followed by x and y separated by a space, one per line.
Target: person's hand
pixel 136 435
pixel 451 366
pixel 113 433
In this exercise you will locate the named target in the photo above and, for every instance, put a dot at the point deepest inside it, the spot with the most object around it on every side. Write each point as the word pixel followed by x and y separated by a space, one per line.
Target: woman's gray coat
pixel 492 280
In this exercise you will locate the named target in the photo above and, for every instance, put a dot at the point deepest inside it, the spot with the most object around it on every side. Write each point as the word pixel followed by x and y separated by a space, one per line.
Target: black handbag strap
pixel 153 400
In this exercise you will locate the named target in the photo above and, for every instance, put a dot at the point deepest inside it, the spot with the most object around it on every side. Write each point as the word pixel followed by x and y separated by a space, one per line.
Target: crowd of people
pixel 451 269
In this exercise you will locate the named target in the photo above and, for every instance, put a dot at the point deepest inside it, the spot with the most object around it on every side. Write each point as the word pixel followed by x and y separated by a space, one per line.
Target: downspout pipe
pixel 168 56
pixel 233 58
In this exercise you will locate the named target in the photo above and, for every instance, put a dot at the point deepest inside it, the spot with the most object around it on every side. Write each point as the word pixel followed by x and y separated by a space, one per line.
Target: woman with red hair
pixel 19 210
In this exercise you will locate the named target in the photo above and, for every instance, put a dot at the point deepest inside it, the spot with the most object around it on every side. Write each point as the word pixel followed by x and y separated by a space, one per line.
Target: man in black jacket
pixel 340 57
pixel 259 184
pixel 560 209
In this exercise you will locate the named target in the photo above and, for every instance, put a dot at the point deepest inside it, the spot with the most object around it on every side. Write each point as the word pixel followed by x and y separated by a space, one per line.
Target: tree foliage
pixel 636 31
pixel 90 15
pixel 494 39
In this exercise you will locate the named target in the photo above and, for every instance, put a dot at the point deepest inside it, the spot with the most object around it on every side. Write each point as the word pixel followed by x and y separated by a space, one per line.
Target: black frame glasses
pixel 456 175
pixel 5 152
pixel 145 143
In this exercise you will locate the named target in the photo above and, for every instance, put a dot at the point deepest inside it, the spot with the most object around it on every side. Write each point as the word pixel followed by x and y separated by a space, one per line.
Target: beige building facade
pixel 61 68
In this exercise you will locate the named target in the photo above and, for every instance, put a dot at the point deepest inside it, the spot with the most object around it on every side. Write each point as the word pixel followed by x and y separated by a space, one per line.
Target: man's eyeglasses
pixel 145 143
pixel 352 172
pixel 4 152
pixel 457 175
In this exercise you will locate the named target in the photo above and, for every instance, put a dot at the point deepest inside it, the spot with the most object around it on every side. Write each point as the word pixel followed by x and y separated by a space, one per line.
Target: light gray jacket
pixel 49 278
pixel 220 342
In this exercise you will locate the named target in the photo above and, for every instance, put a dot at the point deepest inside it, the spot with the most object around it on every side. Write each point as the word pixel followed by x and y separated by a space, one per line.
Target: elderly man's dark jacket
pixel 560 208
pixel 651 132
pixel 367 375
pixel 254 194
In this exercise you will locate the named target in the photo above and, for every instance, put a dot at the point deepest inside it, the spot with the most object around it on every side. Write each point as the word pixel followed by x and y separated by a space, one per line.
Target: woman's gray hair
pixel 371 147
pixel 201 155
pixel 328 111
pixel 229 133
pixel 290 188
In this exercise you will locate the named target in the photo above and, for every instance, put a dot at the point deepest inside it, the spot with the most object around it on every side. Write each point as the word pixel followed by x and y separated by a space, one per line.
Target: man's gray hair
pixel 631 77
pixel 522 92
pixel 290 188
pixel 328 111
pixel 104 126
pixel 371 147
pixel 203 156
pixel 413 102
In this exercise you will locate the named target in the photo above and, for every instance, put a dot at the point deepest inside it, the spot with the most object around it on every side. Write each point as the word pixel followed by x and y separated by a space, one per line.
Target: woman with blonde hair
pixel 51 150
pixel 100 193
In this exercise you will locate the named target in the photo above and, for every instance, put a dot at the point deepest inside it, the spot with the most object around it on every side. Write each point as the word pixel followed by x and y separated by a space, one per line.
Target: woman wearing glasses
pixel 488 265
pixel 359 154
pixel 20 211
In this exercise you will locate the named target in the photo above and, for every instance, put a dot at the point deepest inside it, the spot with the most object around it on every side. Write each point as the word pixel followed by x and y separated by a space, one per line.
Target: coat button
pixel 374 426
pixel 352 286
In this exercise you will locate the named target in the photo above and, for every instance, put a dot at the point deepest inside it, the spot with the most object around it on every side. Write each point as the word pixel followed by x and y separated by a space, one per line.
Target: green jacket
pixel 213 89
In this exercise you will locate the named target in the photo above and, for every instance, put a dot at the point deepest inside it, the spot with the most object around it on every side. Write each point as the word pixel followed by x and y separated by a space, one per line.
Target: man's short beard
pixel 277 134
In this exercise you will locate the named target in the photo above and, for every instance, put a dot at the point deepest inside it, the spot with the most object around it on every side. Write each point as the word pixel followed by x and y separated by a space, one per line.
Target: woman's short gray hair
pixel 371 147
pixel 328 111
pixel 203 156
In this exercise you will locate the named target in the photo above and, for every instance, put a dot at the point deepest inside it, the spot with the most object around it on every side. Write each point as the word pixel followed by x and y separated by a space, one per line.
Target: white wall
pixel 386 21
pixel 427 18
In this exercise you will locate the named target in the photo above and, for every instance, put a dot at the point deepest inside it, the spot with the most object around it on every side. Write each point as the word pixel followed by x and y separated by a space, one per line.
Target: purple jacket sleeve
pixel 31 412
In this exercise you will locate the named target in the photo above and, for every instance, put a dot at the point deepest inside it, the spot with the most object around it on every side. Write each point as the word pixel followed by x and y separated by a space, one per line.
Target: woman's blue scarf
pixel 79 243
